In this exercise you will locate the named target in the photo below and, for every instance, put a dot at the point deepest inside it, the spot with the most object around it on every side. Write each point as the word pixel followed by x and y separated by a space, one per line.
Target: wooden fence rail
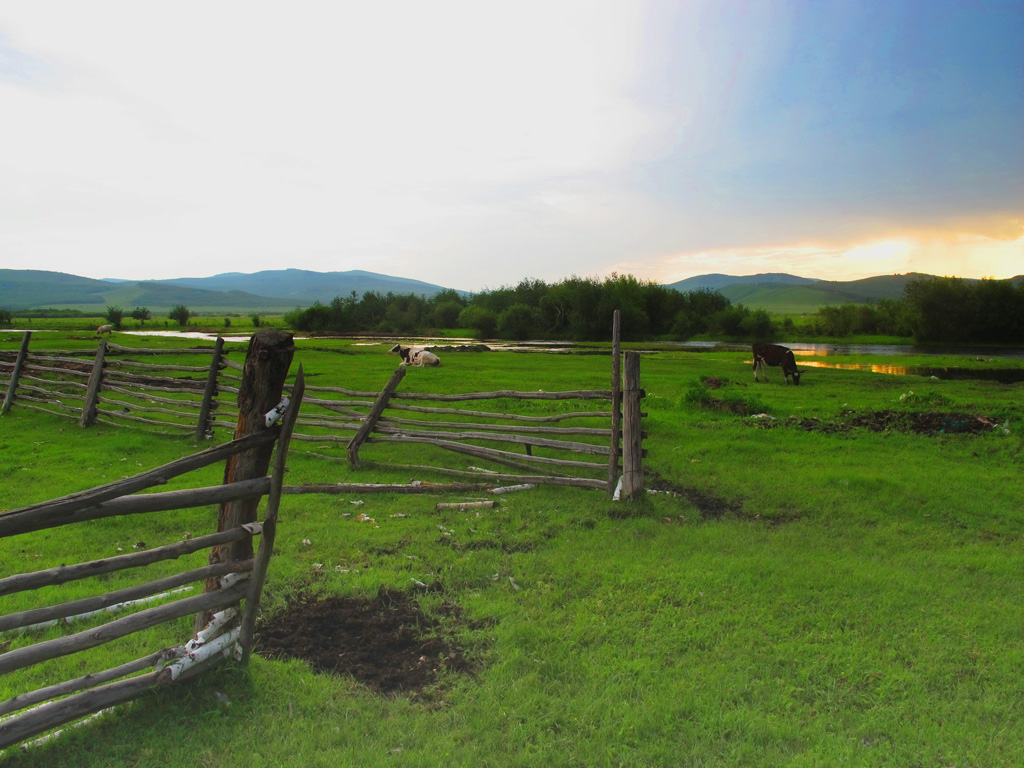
pixel 115 388
pixel 229 582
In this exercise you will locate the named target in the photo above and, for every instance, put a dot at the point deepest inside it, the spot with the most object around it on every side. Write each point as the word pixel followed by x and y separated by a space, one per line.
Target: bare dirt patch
pixel 929 423
pixel 386 642
pixel 711 507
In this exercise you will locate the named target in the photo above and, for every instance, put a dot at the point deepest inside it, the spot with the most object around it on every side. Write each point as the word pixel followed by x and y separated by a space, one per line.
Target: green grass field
pixel 800 591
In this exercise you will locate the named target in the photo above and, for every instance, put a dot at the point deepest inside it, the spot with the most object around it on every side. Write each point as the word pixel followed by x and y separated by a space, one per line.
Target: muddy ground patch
pixel 385 642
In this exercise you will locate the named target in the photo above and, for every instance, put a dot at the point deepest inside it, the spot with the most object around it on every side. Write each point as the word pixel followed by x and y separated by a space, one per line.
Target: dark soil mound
pixel 385 642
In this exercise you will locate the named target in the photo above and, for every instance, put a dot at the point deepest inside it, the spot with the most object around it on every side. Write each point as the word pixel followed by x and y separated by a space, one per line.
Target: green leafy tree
pixel 6 318
pixel 482 320
pixel 142 314
pixel 518 322
pixel 180 314
pixel 115 316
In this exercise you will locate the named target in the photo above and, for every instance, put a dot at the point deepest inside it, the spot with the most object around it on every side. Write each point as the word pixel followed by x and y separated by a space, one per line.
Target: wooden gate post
pixel 211 390
pixel 92 394
pixel 632 433
pixel 613 457
pixel 16 373
pixel 263 376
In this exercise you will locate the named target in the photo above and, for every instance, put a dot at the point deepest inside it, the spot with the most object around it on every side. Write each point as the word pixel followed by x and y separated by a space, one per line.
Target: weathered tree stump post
pixel 16 373
pixel 632 432
pixel 263 377
pixel 92 393
pixel 211 390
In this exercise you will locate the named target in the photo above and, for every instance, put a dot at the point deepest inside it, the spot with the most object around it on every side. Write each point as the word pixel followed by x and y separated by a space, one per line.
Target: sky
pixel 473 144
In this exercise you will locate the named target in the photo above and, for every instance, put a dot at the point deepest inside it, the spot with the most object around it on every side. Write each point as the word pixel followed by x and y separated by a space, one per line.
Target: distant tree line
pixel 578 309
pixel 935 309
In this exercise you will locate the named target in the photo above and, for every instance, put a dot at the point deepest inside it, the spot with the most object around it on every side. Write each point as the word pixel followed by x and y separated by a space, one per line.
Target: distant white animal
pixel 105 329
pixel 415 356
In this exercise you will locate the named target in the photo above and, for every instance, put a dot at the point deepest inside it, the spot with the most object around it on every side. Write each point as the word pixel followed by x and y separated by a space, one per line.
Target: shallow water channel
pixel 802 350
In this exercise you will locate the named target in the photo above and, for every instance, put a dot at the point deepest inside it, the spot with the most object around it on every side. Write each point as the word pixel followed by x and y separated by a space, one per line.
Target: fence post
pixel 16 373
pixel 613 457
pixel 371 418
pixel 632 433
pixel 92 394
pixel 211 390
pixel 263 376
pixel 259 574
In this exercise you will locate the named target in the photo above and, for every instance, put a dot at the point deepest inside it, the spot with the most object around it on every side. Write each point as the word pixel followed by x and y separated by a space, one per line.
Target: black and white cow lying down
pixel 773 354
pixel 415 356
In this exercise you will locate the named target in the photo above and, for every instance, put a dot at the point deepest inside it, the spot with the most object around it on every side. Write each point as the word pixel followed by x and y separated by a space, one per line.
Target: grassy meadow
pixel 798 589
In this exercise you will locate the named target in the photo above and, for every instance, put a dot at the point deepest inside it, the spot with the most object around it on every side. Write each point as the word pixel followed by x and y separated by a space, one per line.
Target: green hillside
pixel 269 292
pixel 799 296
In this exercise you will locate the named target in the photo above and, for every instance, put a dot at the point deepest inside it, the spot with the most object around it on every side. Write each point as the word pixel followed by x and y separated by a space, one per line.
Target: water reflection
pixel 1002 375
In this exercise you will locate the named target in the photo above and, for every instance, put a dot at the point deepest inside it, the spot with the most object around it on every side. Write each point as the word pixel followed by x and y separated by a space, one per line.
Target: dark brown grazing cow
pixel 773 354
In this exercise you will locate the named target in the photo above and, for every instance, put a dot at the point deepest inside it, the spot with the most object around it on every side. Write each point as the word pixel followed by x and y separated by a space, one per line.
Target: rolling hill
pixel 788 294
pixel 268 291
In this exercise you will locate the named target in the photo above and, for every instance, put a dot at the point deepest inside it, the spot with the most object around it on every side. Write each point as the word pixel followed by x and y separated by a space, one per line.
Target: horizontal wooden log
pixel 57 713
pixel 21 398
pixel 145 395
pixel 224 388
pixel 149 430
pixel 339 390
pixel 513 428
pixel 49 369
pixel 55 382
pixel 31 698
pixel 583 482
pixel 154 382
pixel 232 364
pixel 90 638
pixel 147 502
pixel 464 505
pixel 393 406
pixel 338 423
pixel 581 394
pixel 52 392
pixel 115 415
pixel 400 488
pixel 62 574
pixel 188 410
pixel 138 482
pixel 537 442
pixel 63 357
pixel 132 365
pixel 42 410
pixel 118 348
pixel 502 457
pixel 99 602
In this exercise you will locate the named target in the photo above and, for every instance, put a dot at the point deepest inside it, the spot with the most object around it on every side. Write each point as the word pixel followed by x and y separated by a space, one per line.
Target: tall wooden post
pixel 16 373
pixel 263 376
pixel 211 390
pixel 632 433
pixel 92 393
pixel 613 457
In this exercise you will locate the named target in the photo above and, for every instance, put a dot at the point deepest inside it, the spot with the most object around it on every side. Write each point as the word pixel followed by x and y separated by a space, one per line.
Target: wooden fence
pixel 121 386
pixel 570 444
pixel 225 627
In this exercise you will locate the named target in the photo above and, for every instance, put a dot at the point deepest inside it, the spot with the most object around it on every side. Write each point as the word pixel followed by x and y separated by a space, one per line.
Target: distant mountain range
pixel 270 291
pixel 788 294
pixel 282 290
